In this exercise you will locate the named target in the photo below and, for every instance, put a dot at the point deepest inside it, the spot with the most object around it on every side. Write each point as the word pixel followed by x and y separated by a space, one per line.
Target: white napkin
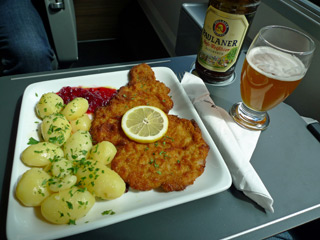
pixel 235 143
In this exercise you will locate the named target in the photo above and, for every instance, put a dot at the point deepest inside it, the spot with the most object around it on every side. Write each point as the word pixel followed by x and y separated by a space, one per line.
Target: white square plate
pixel 27 222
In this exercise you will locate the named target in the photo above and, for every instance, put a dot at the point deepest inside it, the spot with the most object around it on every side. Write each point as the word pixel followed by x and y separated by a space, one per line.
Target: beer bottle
pixel 224 30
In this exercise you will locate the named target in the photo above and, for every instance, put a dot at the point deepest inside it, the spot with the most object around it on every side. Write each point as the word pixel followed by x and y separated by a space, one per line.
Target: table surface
pixel 286 158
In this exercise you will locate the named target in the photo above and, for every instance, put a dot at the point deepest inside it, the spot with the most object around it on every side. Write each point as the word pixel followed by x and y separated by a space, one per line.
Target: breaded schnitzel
pixel 142 89
pixel 173 162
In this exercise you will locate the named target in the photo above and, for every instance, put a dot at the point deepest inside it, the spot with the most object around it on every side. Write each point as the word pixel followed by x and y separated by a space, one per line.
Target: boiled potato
pixel 76 108
pixel 55 129
pixel 47 168
pixel 61 168
pixel 41 154
pixel 49 103
pixel 78 146
pixel 82 123
pixel 33 188
pixel 67 206
pixel 100 180
pixel 59 184
pixel 103 152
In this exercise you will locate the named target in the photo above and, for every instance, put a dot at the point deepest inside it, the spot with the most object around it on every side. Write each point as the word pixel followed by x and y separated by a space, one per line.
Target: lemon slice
pixel 145 124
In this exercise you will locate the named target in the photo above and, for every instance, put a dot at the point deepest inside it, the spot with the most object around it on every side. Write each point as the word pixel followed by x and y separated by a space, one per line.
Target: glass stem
pixel 249 118
pixel 250 115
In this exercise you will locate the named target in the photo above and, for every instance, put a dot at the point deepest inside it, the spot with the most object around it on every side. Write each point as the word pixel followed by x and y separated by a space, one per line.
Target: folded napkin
pixel 235 143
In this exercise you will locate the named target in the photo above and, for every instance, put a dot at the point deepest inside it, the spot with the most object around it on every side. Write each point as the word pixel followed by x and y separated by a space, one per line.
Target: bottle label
pixel 221 40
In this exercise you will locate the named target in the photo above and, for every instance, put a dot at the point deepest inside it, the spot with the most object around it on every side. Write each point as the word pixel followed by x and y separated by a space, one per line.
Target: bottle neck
pixel 236 6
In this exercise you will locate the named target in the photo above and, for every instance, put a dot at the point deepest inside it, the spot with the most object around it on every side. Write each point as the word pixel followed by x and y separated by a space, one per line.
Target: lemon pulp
pixel 145 124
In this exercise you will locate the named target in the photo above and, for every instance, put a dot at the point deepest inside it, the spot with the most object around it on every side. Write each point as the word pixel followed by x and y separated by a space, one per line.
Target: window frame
pixel 303 13
pixel 307 7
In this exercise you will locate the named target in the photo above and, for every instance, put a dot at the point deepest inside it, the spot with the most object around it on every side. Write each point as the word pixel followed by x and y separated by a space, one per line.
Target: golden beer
pixel 268 77
pixel 277 60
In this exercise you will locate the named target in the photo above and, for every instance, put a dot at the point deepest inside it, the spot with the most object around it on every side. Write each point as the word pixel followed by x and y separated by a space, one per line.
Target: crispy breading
pixel 142 89
pixel 173 162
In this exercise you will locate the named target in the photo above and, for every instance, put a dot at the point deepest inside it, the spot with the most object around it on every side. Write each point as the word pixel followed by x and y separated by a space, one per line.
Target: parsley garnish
pixel 108 212
pixel 72 222
pixel 32 141
pixel 70 206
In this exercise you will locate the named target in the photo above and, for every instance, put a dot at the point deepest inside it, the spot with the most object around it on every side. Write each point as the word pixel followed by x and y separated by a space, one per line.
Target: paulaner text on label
pixel 218 41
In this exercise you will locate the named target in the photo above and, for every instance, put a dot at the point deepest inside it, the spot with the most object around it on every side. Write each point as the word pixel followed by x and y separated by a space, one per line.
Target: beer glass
pixel 275 64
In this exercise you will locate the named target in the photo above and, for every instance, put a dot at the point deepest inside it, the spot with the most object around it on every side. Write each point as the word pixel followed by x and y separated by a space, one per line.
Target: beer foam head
pixel 276 64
